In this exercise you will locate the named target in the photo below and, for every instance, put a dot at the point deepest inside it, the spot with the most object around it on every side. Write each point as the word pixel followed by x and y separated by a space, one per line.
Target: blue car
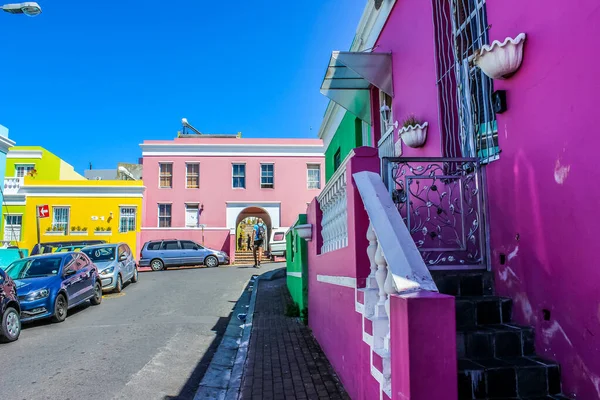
pixel 49 285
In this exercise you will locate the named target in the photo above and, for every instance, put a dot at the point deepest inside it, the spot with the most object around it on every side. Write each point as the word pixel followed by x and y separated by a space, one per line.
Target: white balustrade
pixel 12 185
pixel 334 205
pixel 371 250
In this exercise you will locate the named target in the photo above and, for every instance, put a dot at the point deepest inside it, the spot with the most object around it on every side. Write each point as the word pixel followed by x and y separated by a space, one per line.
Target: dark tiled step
pixel 484 310
pixel 464 283
pixel 503 340
pixel 507 378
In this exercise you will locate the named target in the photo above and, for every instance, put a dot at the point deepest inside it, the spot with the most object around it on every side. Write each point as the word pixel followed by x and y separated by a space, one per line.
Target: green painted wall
pixel 348 136
pixel 297 262
pixel 48 167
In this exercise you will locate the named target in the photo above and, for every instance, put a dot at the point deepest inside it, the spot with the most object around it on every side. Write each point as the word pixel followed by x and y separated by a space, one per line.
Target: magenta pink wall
pixel 216 188
pixel 408 34
pixel 544 191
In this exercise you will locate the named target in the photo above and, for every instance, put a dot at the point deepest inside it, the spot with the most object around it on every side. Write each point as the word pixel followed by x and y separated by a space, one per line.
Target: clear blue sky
pixel 90 82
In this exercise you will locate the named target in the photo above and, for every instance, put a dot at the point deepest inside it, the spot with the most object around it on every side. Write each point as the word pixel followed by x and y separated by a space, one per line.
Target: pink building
pixel 202 187
pixel 498 198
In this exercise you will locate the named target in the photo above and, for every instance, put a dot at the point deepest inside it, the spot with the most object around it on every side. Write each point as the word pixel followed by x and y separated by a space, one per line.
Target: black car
pixel 10 311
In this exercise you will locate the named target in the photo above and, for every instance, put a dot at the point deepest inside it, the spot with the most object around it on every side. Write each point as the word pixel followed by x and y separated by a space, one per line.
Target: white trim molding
pixel 344 281
pixel 82 191
pixel 183 228
pixel 232 150
pixel 295 274
pixel 5 144
pixel 32 154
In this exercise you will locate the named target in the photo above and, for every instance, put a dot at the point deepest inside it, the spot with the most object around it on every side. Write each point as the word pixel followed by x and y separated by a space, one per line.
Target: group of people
pixel 255 242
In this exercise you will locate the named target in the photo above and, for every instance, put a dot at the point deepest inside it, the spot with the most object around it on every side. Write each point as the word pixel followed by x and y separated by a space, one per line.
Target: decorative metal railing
pixel 442 204
pixel 385 146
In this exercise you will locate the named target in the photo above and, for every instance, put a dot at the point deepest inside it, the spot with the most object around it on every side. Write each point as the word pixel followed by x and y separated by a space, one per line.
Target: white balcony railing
pixel 12 185
pixel 334 204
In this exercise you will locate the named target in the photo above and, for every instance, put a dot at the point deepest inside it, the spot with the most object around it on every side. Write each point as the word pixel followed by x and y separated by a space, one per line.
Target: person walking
pixel 260 234
pixel 248 242
pixel 240 242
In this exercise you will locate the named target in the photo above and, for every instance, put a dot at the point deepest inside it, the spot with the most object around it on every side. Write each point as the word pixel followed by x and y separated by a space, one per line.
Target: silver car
pixel 115 263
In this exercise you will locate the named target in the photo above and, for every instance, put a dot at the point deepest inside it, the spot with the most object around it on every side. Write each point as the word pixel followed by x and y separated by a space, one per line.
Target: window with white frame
pixel 127 219
pixel 164 215
pixel 192 175
pixel 239 176
pixel 267 176
pixel 313 176
pixel 22 170
pixel 191 215
pixel 60 219
pixel 12 227
pixel 469 127
pixel 166 175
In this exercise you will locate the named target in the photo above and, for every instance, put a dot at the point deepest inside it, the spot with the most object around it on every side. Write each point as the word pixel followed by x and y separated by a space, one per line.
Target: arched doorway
pixel 245 222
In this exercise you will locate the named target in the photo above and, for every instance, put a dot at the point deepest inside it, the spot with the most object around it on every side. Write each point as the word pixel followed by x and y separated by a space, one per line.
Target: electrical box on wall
pixel 499 101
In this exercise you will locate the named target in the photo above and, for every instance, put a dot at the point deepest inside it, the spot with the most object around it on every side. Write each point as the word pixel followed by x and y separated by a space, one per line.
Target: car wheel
pixel 60 308
pixel 157 265
pixel 119 287
pixel 211 262
pixel 134 278
pixel 97 298
pixel 11 326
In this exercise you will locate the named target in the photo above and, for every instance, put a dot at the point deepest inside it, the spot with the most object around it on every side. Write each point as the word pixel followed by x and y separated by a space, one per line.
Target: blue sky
pixel 90 82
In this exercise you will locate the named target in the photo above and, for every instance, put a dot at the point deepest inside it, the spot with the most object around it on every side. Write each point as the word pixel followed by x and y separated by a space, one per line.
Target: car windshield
pixel 34 268
pixel 99 254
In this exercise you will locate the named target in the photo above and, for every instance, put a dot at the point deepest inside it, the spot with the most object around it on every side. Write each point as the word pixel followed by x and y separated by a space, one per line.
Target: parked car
pixel 49 285
pixel 115 263
pixel 50 247
pixel 10 310
pixel 277 244
pixel 66 249
pixel 160 254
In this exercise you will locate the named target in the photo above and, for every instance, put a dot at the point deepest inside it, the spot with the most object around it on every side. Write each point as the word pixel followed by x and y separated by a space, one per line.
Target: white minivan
pixel 277 242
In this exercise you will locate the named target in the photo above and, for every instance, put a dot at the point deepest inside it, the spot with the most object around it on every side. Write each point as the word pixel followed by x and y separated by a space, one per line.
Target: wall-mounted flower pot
pixel 78 233
pixel 103 233
pixel 415 135
pixel 501 60
pixel 304 231
pixel 54 233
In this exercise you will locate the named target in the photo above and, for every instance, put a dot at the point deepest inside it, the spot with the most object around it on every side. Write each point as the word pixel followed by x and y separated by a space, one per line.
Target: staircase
pixel 496 358
pixel 246 257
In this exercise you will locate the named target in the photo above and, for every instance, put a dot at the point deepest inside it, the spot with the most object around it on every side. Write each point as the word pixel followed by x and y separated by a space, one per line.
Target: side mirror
pixel 123 257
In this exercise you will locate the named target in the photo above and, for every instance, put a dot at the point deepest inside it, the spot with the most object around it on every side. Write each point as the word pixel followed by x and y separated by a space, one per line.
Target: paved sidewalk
pixel 284 360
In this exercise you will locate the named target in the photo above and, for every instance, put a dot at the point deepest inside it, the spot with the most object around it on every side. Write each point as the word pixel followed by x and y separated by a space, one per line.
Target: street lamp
pixel 29 8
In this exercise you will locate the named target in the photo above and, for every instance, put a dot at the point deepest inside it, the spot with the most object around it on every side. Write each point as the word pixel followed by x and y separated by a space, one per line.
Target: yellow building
pixel 79 209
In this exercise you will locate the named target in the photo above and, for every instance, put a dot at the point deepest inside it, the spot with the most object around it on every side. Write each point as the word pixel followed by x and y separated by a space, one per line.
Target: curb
pixel 223 378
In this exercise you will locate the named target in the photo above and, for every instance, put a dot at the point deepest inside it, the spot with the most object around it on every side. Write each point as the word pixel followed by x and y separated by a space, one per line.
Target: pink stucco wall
pixel 543 192
pixel 290 187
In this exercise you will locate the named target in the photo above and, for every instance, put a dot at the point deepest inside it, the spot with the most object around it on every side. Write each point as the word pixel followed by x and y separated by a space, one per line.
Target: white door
pixel 12 228
pixel 191 216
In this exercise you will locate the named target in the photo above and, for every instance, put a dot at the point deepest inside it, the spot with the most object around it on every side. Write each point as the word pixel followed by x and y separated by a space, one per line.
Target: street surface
pixel 153 341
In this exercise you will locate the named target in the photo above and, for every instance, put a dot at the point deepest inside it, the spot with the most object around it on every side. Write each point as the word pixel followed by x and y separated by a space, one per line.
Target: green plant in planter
pixel 97 229
pixel 48 229
pixel 411 120
pixel 84 229
pixel 108 229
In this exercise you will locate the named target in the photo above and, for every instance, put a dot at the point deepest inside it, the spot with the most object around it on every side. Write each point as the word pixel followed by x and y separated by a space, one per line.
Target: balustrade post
pixel 389 289
pixel 371 250
pixel 380 276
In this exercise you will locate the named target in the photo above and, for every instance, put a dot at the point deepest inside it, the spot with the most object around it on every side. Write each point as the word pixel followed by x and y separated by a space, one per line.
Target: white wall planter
pixel 54 233
pixel 103 233
pixel 415 135
pixel 501 60
pixel 304 231
pixel 80 233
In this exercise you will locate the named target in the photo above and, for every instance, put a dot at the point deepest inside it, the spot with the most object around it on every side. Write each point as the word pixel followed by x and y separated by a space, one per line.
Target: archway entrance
pixel 245 222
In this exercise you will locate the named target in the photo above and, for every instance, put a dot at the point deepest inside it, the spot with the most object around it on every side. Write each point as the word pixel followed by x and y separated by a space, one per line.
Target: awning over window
pixel 349 77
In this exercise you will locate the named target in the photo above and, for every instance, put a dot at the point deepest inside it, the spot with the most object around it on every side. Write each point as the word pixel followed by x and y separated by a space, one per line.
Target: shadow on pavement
pixel 189 389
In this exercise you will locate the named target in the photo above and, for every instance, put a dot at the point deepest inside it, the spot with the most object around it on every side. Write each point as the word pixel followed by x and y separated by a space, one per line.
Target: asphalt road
pixel 153 341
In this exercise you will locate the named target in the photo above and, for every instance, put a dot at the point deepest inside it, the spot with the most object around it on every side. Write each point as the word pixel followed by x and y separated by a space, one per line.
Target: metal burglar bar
pixel 441 203
pixel 469 127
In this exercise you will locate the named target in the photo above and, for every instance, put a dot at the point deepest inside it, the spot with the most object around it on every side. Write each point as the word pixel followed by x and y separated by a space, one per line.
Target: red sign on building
pixel 43 211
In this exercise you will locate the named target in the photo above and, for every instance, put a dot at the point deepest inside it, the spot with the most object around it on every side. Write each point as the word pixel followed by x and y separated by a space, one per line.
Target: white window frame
pixel 55 223
pixel 187 175
pixel 160 174
pixel 191 206
pixel 11 236
pixel 24 166
pixel 129 217
pixel 266 185
pixel 313 167
pixel 233 176
pixel 170 215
